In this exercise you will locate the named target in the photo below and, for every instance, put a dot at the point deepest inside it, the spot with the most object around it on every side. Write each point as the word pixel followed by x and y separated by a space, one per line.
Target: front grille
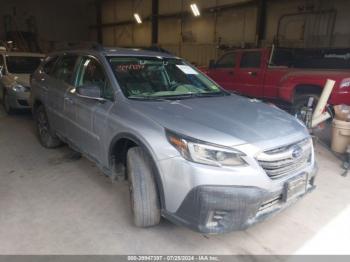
pixel 23 102
pixel 286 160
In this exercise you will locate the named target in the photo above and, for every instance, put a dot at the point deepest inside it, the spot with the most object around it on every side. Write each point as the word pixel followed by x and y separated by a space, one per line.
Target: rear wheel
pixel 143 190
pixel 46 137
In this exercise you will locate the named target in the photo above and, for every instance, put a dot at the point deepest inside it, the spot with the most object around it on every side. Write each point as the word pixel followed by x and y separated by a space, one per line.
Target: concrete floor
pixel 53 204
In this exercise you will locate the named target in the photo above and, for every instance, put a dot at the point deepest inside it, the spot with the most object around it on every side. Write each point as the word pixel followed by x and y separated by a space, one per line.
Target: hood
pixel 23 79
pixel 228 120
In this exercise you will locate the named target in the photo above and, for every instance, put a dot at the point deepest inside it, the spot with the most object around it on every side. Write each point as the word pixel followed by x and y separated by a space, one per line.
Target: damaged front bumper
pixel 220 209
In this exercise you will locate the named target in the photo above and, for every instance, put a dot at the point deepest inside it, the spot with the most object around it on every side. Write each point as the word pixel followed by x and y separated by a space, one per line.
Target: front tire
pixel 143 190
pixel 46 137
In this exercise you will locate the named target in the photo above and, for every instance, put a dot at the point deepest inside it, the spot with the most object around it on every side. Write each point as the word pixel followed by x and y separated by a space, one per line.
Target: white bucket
pixel 340 136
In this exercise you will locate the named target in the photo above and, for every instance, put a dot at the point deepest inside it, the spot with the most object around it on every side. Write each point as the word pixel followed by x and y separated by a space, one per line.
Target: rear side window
pixel 227 61
pixel 250 60
pixel 64 68
pixel 49 64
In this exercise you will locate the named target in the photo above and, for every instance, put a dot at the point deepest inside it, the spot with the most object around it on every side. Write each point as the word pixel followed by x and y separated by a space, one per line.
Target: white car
pixel 15 71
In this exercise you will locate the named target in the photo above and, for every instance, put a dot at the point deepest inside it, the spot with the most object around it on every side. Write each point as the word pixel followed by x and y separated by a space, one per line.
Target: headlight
pixel 345 83
pixel 205 153
pixel 19 88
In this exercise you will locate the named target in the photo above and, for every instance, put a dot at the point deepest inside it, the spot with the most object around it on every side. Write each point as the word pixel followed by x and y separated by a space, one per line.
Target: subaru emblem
pixel 297 151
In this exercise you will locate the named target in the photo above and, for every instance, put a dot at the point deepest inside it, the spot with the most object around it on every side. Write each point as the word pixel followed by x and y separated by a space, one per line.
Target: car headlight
pixel 205 153
pixel 18 88
pixel 345 83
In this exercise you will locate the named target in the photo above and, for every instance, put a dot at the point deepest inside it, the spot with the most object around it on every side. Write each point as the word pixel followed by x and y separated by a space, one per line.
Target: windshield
pixel 156 77
pixel 22 64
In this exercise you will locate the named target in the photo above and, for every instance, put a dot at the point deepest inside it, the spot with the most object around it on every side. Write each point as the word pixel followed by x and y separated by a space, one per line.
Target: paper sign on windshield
pixel 187 69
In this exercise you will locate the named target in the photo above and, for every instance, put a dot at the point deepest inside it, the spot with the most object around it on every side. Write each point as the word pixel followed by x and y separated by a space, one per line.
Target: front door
pixel 90 114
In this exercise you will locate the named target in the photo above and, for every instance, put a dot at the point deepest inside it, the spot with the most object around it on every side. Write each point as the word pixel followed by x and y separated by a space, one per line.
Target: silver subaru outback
pixel 192 152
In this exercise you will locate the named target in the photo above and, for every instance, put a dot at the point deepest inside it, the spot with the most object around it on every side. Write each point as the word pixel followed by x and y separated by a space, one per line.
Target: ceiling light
pixel 195 10
pixel 138 18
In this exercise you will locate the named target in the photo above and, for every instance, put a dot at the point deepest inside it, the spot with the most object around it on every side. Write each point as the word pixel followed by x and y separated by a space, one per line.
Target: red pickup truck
pixel 257 73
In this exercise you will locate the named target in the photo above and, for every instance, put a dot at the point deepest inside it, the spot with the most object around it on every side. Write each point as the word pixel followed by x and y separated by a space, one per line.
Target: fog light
pixel 215 217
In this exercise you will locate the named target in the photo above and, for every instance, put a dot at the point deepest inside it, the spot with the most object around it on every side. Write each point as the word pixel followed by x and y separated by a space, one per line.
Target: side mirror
pixel 90 91
pixel 211 63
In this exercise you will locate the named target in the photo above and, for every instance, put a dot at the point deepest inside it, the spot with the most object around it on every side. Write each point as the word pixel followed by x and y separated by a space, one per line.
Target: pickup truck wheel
pixel 143 190
pixel 46 138
pixel 301 102
pixel 6 103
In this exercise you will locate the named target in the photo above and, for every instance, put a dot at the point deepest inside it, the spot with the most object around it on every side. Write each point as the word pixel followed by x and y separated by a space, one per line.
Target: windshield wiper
pixel 211 94
pixel 192 95
pixel 147 98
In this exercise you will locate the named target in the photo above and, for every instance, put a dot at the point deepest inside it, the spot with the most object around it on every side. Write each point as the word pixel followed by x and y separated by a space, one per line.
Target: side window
pixel 49 64
pixel 91 72
pixel 227 61
pixel 64 68
pixel 250 60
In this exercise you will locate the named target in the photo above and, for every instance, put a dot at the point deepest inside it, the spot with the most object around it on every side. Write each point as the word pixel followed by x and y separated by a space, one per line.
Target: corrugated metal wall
pixel 196 39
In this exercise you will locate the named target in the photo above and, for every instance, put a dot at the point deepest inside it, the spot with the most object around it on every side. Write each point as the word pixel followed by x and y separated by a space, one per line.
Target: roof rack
pixel 62 46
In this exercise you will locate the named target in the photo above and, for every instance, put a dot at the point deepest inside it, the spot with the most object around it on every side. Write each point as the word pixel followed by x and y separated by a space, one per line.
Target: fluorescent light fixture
pixel 195 10
pixel 138 18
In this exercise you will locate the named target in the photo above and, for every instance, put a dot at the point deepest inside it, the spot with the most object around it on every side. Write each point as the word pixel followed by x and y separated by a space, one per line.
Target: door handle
pixel 252 73
pixel 231 73
pixel 68 100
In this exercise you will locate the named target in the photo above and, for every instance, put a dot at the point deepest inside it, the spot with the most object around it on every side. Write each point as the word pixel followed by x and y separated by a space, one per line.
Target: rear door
pixel 224 72
pixel 42 81
pixel 61 111
pixel 250 75
pixel 90 114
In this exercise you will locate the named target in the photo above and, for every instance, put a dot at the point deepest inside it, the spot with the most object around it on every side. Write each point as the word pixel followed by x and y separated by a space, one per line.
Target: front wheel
pixel 143 189
pixel 46 138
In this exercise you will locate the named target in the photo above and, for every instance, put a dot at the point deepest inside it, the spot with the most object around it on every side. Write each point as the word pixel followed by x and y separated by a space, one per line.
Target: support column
pixel 155 13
